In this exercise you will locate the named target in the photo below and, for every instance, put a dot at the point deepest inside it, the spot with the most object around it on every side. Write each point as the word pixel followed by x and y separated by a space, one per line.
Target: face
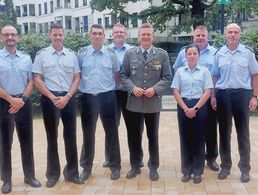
pixel 9 36
pixel 119 34
pixel 200 38
pixel 97 36
pixel 232 34
pixel 146 37
pixel 57 37
pixel 192 56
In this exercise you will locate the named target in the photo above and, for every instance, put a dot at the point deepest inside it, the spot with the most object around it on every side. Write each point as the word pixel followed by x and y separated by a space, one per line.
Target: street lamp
pixel 222 4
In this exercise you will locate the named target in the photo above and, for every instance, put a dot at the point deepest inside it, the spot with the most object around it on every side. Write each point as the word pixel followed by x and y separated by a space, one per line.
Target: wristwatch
pixel 196 108
pixel 255 96
pixel 24 98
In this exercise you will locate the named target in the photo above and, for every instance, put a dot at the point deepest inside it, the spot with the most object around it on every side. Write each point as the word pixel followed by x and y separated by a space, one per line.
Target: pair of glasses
pixel 9 34
pixel 119 32
pixel 97 34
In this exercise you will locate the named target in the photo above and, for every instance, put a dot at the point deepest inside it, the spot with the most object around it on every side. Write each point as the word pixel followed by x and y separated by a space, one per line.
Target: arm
pixel 213 93
pixel 253 101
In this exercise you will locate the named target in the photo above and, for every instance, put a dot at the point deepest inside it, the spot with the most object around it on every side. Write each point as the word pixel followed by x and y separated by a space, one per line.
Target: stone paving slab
pixel 170 176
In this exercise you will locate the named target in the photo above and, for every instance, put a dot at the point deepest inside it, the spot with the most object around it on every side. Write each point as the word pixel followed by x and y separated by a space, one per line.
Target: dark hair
pixel 56 26
pixel 98 26
pixel 192 46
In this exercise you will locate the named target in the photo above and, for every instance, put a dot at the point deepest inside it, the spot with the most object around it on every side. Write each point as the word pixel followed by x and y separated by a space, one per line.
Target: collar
pixel 186 67
pixel 53 51
pixel 93 51
pixel 124 46
pixel 6 53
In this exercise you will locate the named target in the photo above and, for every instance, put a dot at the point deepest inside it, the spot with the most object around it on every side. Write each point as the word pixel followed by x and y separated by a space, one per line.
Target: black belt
pixel 190 99
pixel 59 93
pixel 17 96
pixel 229 90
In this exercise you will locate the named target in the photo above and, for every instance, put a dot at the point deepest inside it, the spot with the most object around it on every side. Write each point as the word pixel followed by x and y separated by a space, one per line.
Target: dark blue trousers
pixel 103 104
pixel 22 120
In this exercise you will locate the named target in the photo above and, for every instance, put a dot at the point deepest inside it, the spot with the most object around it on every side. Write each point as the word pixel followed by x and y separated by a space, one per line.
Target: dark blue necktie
pixel 145 54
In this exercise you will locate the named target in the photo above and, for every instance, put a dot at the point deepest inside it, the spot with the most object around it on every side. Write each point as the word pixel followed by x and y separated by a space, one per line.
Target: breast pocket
pixel 5 73
pixel 68 68
pixel 49 70
pixel 24 71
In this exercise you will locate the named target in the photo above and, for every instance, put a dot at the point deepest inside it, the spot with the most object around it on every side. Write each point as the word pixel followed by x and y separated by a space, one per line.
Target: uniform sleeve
pixel 179 60
pixel 207 79
pixel 253 66
pixel 76 64
pixel 215 69
pixel 37 67
pixel 176 81
pixel 115 63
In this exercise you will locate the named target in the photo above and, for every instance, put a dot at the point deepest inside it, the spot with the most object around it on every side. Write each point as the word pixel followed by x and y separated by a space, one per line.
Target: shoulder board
pixel 25 53
pixel 182 48
pixel 43 49
pixel 217 51
pixel 72 51
pixel 111 50
pixel 248 47
pixel 82 49
pixel 162 49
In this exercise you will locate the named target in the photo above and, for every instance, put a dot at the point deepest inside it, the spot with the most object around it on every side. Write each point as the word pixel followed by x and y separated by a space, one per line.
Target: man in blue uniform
pixel 99 67
pixel 200 38
pixel 145 74
pixel 234 73
pixel 57 77
pixel 16 86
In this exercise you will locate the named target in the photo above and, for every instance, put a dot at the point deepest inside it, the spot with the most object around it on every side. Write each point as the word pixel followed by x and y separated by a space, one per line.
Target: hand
pixel 190 113
pixel 61 103
pixel 149 92
pixel 252 104
pixel 138 92
pixel 13 110
pixel 16 103
pixel 214 103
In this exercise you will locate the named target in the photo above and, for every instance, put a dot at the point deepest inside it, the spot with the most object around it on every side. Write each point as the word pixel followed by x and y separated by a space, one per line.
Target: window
pixel 67 4
pixel 84 3
pixel 51 7
pixel 99 21
pixel 39 9
pixel 106 22
pixel 31 9
pixel 25 11
pixel 76 3
pixel 18 11
pixel 85 23
pixel 45 8
pixel 134 20
pixel 58 3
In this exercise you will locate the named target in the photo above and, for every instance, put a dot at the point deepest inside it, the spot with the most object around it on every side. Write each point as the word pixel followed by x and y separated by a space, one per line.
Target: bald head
pixel 233 26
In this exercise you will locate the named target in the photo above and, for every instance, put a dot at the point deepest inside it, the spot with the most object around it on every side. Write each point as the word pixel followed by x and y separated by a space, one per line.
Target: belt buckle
pixel 228 90
pixel 95 94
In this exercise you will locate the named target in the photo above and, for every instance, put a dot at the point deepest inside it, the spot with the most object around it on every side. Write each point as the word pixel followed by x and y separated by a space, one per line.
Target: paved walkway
pixel 170 177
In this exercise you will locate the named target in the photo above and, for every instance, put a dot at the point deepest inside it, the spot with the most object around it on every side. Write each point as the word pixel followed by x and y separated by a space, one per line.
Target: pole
pixel 222 19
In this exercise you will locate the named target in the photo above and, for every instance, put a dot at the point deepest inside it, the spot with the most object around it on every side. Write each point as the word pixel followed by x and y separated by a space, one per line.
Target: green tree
pixel 194 12
pixel 9 16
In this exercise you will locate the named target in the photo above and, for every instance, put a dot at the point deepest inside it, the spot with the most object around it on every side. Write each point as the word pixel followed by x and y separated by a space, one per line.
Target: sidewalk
pixel 170 176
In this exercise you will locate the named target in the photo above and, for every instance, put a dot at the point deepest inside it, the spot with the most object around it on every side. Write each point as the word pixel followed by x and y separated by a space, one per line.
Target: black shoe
pixel 6 187
pixel 51 182
pixel 154 175
pixel 115 174
pixel 213 165
pixel 75 180
pixel 133 173
pixel 85 174
pixel 33 182
pixel 223 174
pixel 197 179
pixel 106 164
pixel 186 178
pixel 245 177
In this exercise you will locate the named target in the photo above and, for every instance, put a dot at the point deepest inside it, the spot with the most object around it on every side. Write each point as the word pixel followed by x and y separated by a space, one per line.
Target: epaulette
pixel 182 48
pixel 72 51
pixel 111 49
pixel 25 53
pixel 43 49
pixel 248 47
pixel 162 49
pixel 217 51
pixel 82 49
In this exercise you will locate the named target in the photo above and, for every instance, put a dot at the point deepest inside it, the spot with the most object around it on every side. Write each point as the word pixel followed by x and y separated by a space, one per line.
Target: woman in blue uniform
pixel 192 86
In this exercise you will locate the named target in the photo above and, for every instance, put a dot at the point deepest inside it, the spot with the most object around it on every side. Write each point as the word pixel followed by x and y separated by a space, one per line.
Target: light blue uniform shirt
pixel 234 69
pixel 98 68
pixel 15 71
pixel 206 58
pixel 120 52
pixel 57 68
pixel 192 84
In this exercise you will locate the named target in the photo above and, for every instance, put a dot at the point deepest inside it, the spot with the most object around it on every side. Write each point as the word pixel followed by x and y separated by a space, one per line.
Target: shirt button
pixel 145 74
pixel 145 66
pixel 144 81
